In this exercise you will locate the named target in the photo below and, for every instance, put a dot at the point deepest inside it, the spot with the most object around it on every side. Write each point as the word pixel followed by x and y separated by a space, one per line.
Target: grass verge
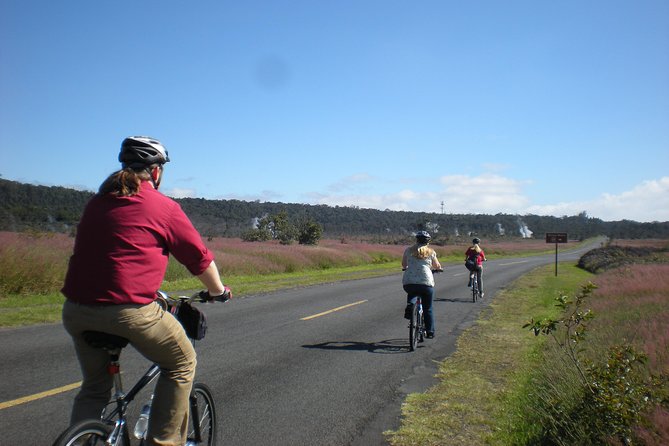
pixel 483 384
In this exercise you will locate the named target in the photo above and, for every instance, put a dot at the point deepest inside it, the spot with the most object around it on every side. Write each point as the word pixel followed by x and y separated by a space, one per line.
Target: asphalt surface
pixel 319 365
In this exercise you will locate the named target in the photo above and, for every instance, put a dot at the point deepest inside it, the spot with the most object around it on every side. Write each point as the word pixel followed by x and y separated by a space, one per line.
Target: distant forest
pixel 26 207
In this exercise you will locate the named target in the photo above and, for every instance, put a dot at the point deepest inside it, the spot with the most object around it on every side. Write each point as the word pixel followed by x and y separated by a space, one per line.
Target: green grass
pixel 17 310
pixel 482 386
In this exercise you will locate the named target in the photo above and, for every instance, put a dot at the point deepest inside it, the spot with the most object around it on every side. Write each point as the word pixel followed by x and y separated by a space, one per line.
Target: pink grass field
pixel 36 262
pixel 631 305
pixel 635 299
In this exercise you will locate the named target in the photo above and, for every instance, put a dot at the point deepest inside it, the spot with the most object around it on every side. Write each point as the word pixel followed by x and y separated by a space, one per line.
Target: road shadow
pixel 453 299
pixel 388 346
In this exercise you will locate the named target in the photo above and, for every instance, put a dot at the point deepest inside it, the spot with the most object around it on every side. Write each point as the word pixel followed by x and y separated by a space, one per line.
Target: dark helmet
pixel 423 236
pixel 476 241
pixel 142 151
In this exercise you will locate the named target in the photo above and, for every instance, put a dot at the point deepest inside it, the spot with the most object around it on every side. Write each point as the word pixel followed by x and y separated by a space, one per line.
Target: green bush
pixel 309 233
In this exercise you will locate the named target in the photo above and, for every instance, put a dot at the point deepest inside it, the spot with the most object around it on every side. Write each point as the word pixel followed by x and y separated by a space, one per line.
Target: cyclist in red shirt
pixel 474 258
pixel 123 242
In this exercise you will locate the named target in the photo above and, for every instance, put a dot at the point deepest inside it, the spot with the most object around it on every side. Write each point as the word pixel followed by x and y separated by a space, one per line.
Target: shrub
pixel 309 233
pixel 257 235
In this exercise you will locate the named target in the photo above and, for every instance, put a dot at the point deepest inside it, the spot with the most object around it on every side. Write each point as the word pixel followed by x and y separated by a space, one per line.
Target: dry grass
pixel 35 263
pixel 632 306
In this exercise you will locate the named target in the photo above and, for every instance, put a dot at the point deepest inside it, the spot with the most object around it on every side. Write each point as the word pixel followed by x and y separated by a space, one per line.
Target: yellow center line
pixel 333 310
pixel 37 396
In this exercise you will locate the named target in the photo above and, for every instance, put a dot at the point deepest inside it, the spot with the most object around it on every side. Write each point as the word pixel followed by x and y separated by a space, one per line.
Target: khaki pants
pixel 159 337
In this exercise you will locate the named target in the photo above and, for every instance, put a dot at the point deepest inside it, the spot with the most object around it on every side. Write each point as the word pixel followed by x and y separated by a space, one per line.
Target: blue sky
pixel 528 107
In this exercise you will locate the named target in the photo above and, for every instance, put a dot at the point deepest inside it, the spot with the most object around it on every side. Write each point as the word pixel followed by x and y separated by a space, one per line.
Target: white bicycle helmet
pixel 142 151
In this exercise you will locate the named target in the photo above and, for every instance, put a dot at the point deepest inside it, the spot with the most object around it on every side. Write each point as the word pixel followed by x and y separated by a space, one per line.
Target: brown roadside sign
pixel 556 237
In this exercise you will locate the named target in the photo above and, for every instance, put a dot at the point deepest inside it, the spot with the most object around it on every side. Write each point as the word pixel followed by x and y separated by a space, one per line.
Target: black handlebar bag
pixel 193 320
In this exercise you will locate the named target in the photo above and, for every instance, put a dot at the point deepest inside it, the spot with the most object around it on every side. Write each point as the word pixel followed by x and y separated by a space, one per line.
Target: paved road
pixel 285 368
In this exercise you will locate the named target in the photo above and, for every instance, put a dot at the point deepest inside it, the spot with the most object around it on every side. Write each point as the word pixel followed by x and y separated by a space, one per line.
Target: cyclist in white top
pixel 418 262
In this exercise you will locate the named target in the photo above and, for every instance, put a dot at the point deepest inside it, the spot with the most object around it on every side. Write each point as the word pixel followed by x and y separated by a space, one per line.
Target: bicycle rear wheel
pixel 85 433
pixel 414 328
pixel 202 417
pixel 475 288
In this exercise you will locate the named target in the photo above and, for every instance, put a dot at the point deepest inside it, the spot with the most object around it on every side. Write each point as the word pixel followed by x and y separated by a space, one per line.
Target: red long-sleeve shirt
pixel 471 252
pixel 122 248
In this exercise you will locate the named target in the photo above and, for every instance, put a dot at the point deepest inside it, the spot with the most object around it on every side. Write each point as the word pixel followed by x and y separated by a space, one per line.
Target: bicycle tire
pixel 414 328
pixel 475 288
pixel 202 405
pixel 85 433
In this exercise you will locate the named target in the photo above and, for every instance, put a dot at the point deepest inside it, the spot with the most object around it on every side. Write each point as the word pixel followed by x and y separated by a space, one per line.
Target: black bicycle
pixel 112 428
pixel 475 286
pixel 417 321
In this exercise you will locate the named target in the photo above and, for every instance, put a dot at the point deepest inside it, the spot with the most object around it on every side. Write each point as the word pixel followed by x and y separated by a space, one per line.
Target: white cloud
pixel 646 202
pixel 483 194
pixel 177 192
pixel 492 193
pixel 264 196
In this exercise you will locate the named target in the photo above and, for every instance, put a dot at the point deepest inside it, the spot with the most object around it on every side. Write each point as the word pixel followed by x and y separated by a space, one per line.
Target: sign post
pixel 556 237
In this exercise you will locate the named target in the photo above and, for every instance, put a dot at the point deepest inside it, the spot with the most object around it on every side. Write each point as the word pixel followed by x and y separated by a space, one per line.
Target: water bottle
pixel 143 420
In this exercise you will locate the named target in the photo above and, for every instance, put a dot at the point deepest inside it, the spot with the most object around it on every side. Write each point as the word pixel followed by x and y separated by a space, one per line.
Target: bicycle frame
pixel 111 428
pixel 473 275
pixel 123 400
pixel 417 321
pixel 117 416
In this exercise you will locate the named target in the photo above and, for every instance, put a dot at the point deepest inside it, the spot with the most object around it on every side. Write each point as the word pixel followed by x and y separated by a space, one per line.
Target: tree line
pixel 25 207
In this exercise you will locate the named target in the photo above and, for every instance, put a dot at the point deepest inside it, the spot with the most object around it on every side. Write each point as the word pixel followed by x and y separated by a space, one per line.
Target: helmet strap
pixel 155 180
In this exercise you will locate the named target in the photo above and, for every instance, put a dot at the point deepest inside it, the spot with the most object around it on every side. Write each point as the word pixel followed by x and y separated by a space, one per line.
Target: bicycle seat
pixel 98 339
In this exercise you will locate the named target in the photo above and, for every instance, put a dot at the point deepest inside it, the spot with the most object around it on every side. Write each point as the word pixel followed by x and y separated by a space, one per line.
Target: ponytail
pixel 124 183
pixel 421 251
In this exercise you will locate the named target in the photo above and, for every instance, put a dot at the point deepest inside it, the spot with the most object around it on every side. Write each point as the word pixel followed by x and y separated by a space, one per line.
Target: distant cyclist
pixel 418 262
pixel 474 258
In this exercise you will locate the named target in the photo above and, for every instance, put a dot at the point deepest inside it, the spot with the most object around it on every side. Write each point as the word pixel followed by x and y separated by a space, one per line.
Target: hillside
pixel 29 207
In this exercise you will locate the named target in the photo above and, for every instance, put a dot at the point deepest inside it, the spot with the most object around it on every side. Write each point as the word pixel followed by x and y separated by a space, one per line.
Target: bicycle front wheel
pixel 87 432
pixel 202 417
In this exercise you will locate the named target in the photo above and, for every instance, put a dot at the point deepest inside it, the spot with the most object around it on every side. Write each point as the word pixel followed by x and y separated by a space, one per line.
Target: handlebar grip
pixel 204 295
pixel 226 296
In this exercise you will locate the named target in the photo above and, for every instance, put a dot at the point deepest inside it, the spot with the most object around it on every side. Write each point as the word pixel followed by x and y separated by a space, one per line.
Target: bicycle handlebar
pixel 434 271
pixel 168 302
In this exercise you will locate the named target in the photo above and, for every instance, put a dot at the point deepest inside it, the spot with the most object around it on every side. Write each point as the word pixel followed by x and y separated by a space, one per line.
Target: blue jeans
pixel 426 294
